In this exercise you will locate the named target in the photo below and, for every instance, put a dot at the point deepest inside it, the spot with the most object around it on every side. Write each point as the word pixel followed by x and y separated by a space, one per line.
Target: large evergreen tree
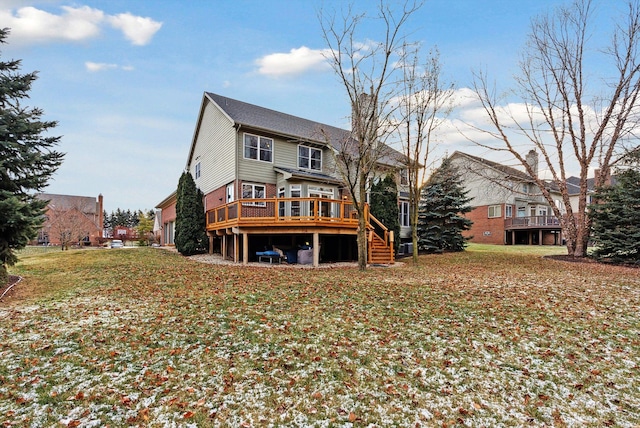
pixel 27 161
pixel 440 219
pixel 191 237
pixel 615 217
pixel 384 206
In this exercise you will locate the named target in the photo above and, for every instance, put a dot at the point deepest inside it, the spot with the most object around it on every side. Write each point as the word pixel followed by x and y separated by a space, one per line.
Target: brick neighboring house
pixel 79 219
pixel 269 180
pixel 508 207
pixel 573 186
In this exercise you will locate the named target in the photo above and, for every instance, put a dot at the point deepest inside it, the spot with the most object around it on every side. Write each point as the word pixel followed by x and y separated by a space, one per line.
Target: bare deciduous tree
pixel 424 102
pixel 565 122
pixel 367 71
pixel 70 225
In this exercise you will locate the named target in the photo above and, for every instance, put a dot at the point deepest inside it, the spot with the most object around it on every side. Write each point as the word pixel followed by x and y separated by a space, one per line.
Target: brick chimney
pixel 100 215
pixel 532 160
pixel 596 176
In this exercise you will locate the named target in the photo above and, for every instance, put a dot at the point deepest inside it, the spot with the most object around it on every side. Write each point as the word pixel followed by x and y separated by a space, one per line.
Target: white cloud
pixel 34 25
pixel 296 61
pixel 31 25
pixel 137 29
pixel 101 66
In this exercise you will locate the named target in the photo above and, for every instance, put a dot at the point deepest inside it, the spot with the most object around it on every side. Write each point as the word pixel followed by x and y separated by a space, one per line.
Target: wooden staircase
pixel 380 243
pixel 380 252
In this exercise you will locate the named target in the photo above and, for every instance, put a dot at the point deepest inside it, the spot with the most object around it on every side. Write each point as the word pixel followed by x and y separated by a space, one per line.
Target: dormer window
pixel 309 158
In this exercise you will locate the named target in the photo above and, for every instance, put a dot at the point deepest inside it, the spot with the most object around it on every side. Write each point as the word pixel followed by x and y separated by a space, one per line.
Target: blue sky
pixel 125 79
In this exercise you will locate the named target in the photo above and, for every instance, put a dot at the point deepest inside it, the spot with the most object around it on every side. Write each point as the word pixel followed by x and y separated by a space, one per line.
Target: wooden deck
pixel 533 222
pixel 299 215
pixel 283 212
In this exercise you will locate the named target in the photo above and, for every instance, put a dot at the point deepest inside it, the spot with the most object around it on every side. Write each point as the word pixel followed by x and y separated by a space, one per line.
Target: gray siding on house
pixel 255 171
pixel 285 155
pixel 214 149
pixel 483 187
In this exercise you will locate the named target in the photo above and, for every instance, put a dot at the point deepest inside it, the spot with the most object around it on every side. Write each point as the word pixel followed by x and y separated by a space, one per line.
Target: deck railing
pixel 282 212
pixel 544 221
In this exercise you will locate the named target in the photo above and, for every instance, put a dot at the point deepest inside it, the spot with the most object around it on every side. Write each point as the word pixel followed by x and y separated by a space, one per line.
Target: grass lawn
pixel 494 336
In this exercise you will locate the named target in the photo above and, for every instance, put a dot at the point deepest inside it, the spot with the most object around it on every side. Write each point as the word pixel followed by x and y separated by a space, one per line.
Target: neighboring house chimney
pixel 607 178
pixel 532 160
pixel 100 215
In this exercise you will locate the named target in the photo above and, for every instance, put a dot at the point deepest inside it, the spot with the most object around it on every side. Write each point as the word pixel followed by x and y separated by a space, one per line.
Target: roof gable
pixel 507 170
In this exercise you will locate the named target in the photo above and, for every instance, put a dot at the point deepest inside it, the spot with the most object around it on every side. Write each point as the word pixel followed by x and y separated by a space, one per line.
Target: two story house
pixel 508 207
pixel 71 218
pixel 270 182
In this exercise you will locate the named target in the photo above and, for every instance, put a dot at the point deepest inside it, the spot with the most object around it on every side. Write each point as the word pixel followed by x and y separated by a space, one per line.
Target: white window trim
pixel 309 158
pixel 230 192
pixel 253 195
pixel 404 177
pixel 244 147
pixel 198 171
pixel 495 215
pixel 405 221
pixel 508 211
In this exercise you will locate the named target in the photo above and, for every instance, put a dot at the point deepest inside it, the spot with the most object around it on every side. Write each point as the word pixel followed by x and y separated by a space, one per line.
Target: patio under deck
pixel 295 216
pixel 533 230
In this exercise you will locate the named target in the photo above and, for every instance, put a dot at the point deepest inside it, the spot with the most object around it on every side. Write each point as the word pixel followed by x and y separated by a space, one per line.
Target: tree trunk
pixel 582 239
pixel 362 241
pixel 4 275
pixel 363 218
pixel 414 240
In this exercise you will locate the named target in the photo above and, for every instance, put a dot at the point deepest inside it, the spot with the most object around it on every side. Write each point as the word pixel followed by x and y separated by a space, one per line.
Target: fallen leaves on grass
pixel 148 337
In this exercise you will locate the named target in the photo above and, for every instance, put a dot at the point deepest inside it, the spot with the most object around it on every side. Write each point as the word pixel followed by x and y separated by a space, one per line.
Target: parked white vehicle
pixel 116 243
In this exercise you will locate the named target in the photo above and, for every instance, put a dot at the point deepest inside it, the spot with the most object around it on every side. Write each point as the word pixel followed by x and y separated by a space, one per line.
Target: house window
pixel 230 197
pixel 494 211
pixel 296 192
pixel 169 233
pixel 258 148
pixel 525 188
pixel 404 214
pixel 508 211
pixel 324 208
pixel 309 158
pixel 253 191
pixel 197 170
pixel 404 177
pixel 522 212
pixel 281 204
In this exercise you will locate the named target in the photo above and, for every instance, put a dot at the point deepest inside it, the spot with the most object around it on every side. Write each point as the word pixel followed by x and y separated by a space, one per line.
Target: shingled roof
pixel 265 119
pixel 512 172
pixel 86 204
pixel 294 127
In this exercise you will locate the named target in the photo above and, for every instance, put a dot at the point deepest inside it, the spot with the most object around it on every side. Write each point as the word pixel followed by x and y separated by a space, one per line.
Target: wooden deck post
pixel 235 247
pixel 224 247
pixel 245 248
pixel 316 249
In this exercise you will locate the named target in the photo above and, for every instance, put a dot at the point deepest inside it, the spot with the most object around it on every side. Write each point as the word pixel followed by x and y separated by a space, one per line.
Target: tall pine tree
pixel 384 206
pixel 190 235
pixel 615 216
pixel 27 162
pixel 440 217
